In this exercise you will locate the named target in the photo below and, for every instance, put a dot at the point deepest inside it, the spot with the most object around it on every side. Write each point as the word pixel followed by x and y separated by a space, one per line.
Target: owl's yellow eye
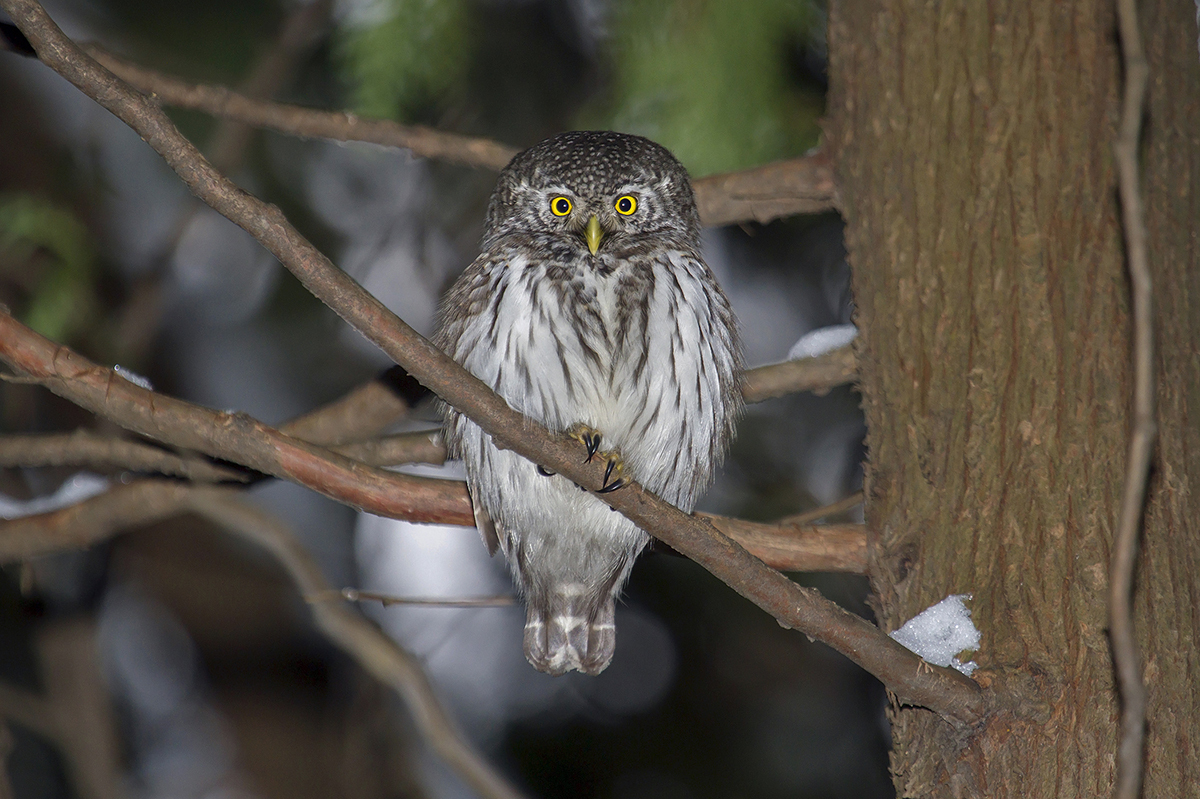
pixel 626 205
pixel 560 206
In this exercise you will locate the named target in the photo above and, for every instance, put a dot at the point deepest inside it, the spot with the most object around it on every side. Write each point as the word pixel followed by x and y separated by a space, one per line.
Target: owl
pixel 591 310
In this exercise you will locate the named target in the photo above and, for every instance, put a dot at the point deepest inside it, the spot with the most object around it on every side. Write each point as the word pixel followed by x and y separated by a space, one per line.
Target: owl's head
pixel 595 190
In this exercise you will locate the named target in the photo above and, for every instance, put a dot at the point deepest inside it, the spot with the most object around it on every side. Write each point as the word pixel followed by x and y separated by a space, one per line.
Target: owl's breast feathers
pixel 642 351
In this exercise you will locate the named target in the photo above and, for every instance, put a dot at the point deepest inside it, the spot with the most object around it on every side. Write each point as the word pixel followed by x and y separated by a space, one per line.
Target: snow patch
pixel 81 486
pixel 940 632
pixel 823 340
pixel 133 377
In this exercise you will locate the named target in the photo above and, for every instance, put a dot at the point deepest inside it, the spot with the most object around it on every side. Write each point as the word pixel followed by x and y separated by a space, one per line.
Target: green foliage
pixel 710 79
pixel 61 298
pixel 716 81
pixel 405 54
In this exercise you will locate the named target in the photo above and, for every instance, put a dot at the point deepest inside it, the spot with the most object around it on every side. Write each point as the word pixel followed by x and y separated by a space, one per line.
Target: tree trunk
pixel 974 152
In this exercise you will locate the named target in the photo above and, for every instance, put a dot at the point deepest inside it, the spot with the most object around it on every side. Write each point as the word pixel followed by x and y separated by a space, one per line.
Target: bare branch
pixel 300 32
pixel 949 693
pixel 295 120
pixel 371 408
pixel 147 501
pixel 91 521
pixel 235 437
pixel 810 516
pixel 818 374
pixel 421 447
pixel 86 448
pixel 367 410
pixel 1126 660
pixel 240 439
pixel 782 188
pixel 800 547
pixel 354 595
pixel 377 653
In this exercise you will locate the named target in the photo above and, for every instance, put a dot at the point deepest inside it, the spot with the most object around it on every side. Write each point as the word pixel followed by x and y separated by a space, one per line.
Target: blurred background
pixel 183 660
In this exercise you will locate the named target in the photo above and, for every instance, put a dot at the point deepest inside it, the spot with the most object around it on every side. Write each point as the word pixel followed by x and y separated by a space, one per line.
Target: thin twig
pixel 364 411
pixel 782 188
pixel 387 600
pixel 300 32
pixel 87 523
pixel 1126 660
pixel 298 121
pixel 87 448
pixel 818 375
pixel 952 695
pixel 810 516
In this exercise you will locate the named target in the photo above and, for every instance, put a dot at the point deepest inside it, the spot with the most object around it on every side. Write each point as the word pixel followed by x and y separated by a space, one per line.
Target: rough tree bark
pixel 974 152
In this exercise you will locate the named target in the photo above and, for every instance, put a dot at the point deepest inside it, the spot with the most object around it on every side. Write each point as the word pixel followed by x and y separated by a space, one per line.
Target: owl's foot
pixel 615 468
pixel 588 436
pixel 613 472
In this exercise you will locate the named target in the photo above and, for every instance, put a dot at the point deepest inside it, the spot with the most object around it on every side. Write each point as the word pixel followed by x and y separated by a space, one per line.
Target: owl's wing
pixel 485 525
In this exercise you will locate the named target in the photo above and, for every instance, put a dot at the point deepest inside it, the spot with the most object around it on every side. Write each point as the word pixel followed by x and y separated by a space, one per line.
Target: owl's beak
pixel 593 233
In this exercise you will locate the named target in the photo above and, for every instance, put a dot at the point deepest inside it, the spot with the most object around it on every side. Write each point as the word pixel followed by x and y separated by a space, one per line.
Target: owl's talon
pixel 614 470
pixel 587 436
pixel 543 471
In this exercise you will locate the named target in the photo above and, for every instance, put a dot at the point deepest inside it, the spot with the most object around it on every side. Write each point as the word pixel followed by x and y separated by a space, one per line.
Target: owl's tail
pixel 569 628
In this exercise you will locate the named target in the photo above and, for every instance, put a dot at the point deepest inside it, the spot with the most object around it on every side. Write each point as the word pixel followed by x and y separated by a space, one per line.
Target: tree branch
pixel 365 411
pixel 298 121
pixel 799 547
pixel 240 439
pixel 784 188
pixel 420 447
pixel 818 375
pixel 300 32
pixel 350 422
pixel 91 521
pixel 86 448
pixel 810 516
pixel 234 437
pixel 377 653
pixel 1126 660
pixel 949 693
pixel 148 501
pixel 387 600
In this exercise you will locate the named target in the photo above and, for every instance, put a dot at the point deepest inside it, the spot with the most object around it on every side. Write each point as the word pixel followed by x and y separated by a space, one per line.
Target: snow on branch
pixel 941 632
